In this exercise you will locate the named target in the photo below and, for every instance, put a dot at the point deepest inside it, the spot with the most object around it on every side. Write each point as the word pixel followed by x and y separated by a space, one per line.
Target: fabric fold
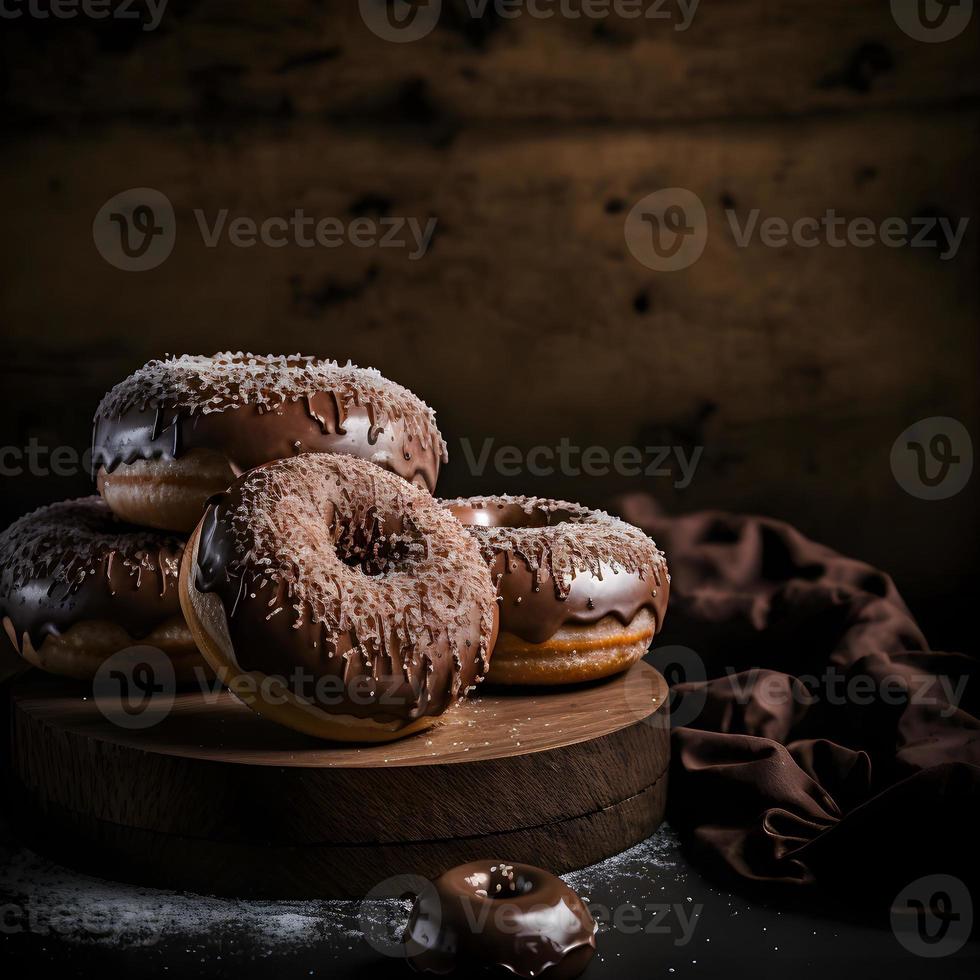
pixel 823 746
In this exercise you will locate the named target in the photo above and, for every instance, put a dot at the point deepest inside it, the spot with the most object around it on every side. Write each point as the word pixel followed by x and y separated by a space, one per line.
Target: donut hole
pixel 510 514
pixel 375 546
pixel 498 883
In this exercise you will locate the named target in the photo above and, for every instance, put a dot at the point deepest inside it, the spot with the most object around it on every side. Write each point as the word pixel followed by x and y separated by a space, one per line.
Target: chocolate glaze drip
pixel 608 568
pixel 515 916
pixel 255 408
pixel 412 623
pixel 249 436
pixel 75 561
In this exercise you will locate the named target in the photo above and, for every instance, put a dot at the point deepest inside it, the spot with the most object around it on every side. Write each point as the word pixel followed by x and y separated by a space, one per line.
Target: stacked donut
pixel 271 519
pixel 581 593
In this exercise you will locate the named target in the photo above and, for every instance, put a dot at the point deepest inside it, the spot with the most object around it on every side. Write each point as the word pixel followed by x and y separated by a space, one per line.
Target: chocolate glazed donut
pixel 78 585
pixel 491 913
pixel 337 599
pixel 581 593
pixel 181 429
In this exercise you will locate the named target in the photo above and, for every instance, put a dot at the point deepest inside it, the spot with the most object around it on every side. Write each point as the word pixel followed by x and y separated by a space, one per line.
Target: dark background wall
pixel 528 321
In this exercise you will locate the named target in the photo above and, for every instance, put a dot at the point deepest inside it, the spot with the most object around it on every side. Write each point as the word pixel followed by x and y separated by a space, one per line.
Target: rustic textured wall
pixel 528 320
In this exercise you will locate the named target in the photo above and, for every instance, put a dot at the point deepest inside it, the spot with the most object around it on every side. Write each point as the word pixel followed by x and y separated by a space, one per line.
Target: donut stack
pixel 272 519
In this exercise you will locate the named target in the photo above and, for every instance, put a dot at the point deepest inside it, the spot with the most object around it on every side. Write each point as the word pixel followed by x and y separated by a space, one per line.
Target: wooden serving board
pixel 213 798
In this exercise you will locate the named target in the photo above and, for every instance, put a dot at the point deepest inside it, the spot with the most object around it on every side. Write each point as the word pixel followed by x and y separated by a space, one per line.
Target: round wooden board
pixel 213 798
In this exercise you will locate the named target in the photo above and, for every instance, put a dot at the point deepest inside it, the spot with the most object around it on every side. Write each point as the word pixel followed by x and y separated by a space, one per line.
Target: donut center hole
pixel 376 547
pixel 509 515
pixel 499 882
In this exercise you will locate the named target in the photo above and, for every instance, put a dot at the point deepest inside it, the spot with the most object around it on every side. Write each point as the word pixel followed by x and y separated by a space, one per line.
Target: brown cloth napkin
pixel 822 748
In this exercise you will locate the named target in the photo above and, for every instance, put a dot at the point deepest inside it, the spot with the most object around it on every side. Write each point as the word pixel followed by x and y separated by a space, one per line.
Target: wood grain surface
pixel 734 355
pixel 564 778
pixel 221 62
pixel 528 321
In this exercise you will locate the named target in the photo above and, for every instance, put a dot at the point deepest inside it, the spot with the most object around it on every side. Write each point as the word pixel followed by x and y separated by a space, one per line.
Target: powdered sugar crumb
pixel 644 861
pixel 91 911
pixel 84 910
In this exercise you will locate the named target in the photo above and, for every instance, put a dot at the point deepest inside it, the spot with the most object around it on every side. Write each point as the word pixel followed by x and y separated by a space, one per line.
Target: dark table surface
pixel 660 918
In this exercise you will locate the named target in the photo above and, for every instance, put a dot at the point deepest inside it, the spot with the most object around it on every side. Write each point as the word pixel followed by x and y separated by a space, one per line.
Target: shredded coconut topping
pixel 68 541
pixel 195 383
pixel 366 555
pixel 563 539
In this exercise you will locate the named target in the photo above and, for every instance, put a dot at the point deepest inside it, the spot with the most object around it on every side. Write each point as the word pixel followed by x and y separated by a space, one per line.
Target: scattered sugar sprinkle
pixel 198 384
pixel 93 911
pixel 343 566
pixel 70 540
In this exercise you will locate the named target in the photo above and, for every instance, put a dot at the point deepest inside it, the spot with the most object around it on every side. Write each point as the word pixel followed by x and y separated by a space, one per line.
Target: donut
pixel 493 913
pixel 181 429
pixel 338 599
pixel 78 585
pixel 581 593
